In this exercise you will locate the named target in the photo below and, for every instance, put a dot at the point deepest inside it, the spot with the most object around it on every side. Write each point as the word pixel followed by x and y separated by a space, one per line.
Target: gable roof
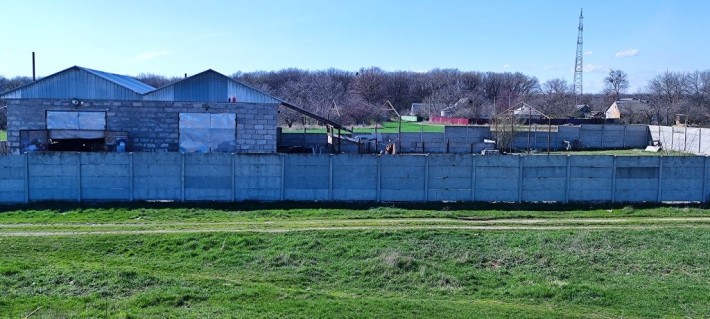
pixel 80 82
pixel 210 86
pixel 122 80
pixel 625 107
pixel 526 110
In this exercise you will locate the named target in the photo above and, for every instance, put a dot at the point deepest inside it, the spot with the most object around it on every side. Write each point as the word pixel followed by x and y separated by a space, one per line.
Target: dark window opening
pixel 77 145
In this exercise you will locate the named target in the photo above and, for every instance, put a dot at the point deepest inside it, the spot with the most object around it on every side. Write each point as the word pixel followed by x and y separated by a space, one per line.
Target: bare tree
pixel 156 80
pixel 616 83
pixel 557 99
pixel 668 90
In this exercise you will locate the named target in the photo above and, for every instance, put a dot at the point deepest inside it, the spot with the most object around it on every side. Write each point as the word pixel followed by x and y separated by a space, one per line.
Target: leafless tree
pixel 668 89
pixel 616 83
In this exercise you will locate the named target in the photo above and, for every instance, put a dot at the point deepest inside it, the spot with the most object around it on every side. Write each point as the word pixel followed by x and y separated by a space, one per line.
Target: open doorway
pixel 77 145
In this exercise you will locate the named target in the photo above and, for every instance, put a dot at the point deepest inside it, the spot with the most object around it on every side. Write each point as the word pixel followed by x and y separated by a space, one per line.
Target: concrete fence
pixel 682 139
pixel 470 139
pixel 271 177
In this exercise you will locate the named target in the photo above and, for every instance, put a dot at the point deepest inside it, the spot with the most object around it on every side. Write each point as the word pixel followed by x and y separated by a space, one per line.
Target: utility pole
pixel 578 63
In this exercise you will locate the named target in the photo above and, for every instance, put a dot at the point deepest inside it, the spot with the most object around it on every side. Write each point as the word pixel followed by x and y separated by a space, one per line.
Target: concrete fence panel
pixel 544 178
pixel 403 178
pixel 449 177
pixel 13 178
pixel 682 178
pixel 54 176
pixel 158 176
pixel 105 176
pixel 258 177
pixel 208 177
pixel 272 177
pixel 307 177
pixel 355 177
pixel 497 178
pixel 637 179
pixel 591 178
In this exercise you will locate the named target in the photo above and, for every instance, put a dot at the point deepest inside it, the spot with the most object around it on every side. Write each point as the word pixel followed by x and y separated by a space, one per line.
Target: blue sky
pixel 538 38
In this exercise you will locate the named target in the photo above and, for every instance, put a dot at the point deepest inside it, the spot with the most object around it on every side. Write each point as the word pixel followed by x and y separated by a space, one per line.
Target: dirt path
pixel 282 226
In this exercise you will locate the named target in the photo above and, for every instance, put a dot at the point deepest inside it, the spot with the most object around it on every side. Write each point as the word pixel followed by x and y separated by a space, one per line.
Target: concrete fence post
pixel 27 178
pixel 78 177
pixel 613 179
pixel 659 192
pixel 130 176
pixel 182 177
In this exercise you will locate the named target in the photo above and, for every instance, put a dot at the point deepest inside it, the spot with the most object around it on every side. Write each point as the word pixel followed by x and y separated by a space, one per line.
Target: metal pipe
pixel 34 77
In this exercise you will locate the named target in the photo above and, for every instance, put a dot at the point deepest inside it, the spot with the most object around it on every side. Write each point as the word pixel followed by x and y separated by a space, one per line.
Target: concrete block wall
pixel 152 126
pixel 306 177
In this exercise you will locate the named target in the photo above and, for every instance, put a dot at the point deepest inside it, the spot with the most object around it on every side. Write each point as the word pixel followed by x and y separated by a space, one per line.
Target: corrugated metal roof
pixel 210 86
pixel 82 83
pixel 122 80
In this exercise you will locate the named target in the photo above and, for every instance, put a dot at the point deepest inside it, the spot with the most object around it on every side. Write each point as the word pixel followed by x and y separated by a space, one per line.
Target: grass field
pixel 386 127
pixel 362 261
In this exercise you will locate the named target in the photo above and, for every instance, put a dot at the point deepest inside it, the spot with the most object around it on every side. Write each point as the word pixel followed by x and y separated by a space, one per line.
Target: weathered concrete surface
pixel 418 178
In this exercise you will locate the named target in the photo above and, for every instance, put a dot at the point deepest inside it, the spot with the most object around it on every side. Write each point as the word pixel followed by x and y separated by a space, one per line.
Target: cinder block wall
pixel 152 126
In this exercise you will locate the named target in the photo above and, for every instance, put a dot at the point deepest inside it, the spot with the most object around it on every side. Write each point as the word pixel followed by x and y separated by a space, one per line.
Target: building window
pixel 206 133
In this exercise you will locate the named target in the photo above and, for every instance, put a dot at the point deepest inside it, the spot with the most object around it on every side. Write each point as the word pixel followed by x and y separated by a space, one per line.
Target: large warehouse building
pixel 80 109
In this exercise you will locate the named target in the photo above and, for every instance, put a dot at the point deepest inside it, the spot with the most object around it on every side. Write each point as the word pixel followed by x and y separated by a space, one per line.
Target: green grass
pixel 386 127
pixel 575 273
pixel 3 135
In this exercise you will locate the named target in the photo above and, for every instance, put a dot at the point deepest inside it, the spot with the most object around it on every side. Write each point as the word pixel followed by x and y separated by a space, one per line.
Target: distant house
pixel 526 111
pixel 630 111
pixel 427 109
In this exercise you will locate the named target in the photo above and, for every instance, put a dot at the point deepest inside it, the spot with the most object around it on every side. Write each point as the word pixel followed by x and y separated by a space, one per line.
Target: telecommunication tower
pixel 578 63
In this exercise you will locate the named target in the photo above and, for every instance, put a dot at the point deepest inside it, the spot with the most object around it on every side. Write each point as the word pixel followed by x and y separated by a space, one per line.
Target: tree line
pixel 357 97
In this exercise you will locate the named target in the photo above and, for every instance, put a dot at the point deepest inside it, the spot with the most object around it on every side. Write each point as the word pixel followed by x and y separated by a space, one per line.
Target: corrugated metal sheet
pixel 210 86
pixel 81 83
pixel 123 80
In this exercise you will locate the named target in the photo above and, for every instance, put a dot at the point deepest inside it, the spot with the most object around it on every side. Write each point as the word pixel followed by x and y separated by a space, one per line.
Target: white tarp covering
pixel 67 134
pixel 204 132
pixel 68 120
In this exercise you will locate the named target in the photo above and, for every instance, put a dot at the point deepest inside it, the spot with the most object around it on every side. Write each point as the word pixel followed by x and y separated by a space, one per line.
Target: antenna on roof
pixel 186 75
pixel 34 78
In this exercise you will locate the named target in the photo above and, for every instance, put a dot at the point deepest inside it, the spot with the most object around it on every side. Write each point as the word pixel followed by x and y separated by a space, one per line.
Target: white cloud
pixel 549 67
pixel 505 66
pixel 627 53
pixel 591 67
pixel 588 52
pixel 149 55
